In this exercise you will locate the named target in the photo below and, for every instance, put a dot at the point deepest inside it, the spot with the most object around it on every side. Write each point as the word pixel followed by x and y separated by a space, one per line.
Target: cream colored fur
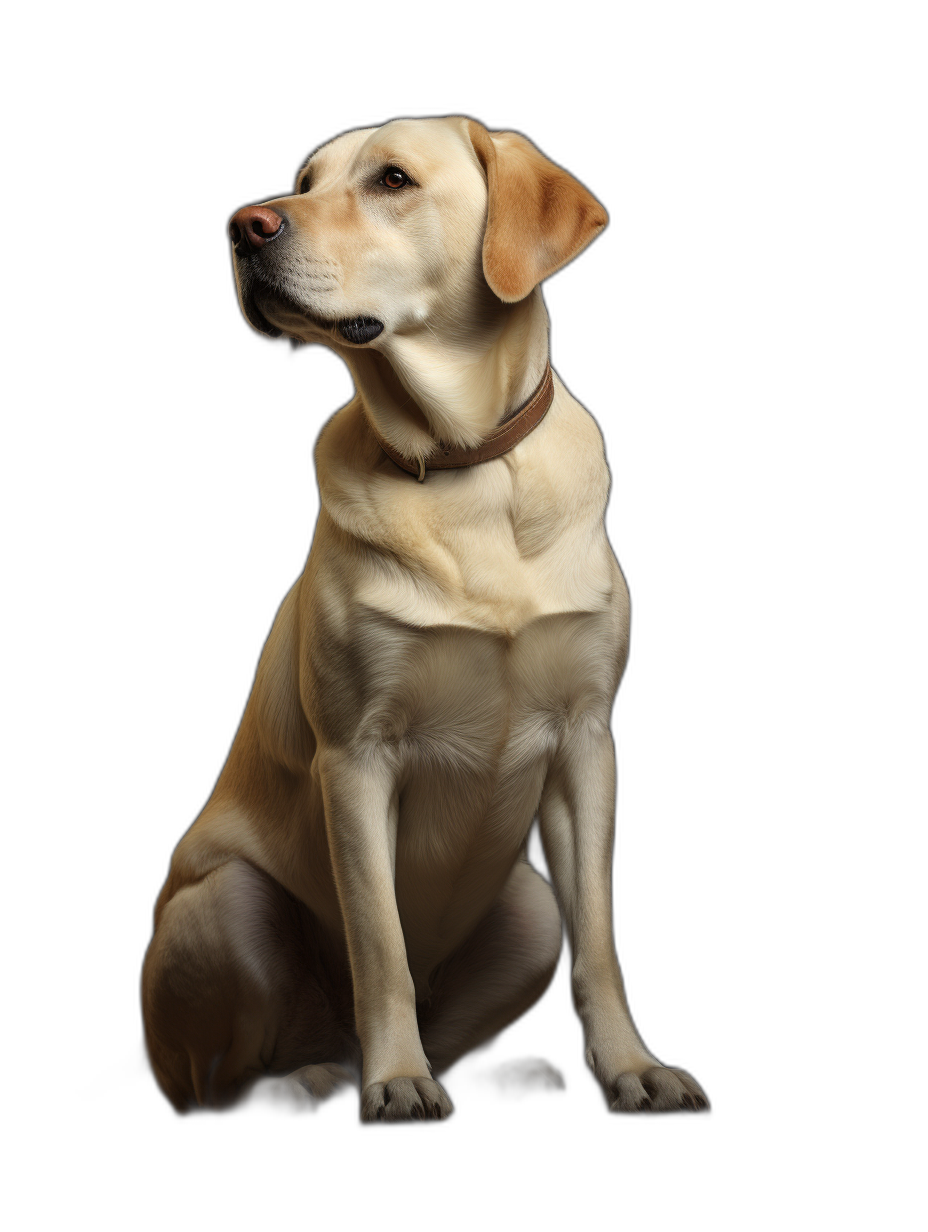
pixel 441 675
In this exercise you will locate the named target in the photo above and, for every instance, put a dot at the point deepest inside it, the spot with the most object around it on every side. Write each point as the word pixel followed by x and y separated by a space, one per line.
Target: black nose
pixel 253 225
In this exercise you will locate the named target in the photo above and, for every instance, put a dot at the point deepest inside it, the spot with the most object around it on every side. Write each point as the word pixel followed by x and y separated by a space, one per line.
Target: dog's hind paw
pixel 525 1076
pixel 305 1089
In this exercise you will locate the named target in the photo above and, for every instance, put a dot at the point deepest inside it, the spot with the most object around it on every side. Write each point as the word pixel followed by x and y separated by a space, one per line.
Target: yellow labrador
pixel 442 673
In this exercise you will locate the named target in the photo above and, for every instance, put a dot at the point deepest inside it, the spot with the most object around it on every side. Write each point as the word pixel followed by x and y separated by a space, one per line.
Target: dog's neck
pixel 427 386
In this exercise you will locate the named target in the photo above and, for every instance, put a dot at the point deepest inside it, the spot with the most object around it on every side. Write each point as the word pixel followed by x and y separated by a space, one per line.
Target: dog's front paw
pixel 658 1089
pixel 405 1099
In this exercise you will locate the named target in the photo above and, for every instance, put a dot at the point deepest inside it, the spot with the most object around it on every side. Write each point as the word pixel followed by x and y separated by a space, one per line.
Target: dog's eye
pixel 304 183
pixel 394 178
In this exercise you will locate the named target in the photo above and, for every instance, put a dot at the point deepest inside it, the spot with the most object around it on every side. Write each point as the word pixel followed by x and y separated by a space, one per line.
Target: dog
pixel 357 890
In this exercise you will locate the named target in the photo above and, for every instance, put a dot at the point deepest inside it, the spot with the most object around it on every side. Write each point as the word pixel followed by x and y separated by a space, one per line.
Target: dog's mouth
pixel 258 300
pixel 275 312
pixel 359 330
pixel 253 314
pixel 283 314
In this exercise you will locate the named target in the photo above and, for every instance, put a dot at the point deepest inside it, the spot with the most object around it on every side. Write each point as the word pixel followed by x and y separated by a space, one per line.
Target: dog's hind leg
pixel 498 973
pixel 231 989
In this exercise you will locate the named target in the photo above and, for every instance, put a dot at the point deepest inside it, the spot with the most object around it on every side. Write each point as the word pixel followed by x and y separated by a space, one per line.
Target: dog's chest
pixel 485 552
pixel 478 710
pixel 481 614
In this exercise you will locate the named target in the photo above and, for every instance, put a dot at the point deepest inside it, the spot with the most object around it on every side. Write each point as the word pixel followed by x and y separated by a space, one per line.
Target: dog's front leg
pixel 577 825
pixel 361 814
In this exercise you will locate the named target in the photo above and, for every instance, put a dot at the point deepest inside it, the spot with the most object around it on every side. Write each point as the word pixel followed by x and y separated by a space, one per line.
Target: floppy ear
pixel 539 217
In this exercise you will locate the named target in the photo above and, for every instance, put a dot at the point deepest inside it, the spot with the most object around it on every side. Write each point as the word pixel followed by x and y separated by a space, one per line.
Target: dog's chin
pixel 275 314
pixel 256 319
pixel 356 331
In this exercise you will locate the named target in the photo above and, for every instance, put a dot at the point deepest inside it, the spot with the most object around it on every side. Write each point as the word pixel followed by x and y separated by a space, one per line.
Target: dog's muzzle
pixel 251 229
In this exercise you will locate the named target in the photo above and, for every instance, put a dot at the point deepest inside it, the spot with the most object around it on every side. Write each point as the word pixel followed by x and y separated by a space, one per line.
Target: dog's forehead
pixel 338 153
pixel 428 143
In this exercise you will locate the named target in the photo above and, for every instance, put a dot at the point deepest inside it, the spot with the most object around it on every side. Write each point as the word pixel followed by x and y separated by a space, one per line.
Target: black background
pixel 216 502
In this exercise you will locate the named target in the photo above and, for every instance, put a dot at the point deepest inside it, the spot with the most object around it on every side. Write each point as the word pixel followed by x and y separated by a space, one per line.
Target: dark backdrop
pixel 217 504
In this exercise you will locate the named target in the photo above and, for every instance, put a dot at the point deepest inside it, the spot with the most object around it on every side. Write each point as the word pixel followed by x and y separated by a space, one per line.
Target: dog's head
pixel 417 225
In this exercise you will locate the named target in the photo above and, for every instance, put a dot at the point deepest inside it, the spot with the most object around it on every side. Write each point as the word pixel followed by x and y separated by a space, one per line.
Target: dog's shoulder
pixel 564 460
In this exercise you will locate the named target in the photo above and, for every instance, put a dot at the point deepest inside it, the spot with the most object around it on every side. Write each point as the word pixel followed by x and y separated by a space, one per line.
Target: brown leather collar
pixel 499 441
